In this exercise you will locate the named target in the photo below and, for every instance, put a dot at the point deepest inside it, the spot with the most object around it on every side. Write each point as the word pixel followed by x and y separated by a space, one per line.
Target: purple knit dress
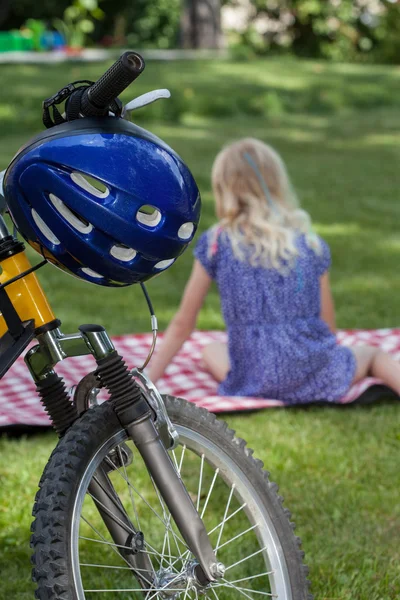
pixel 278 345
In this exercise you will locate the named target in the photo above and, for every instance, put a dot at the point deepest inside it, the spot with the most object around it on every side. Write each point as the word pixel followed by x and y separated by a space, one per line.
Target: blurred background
pixel 316 78
pixel 320 81
pixel 359 30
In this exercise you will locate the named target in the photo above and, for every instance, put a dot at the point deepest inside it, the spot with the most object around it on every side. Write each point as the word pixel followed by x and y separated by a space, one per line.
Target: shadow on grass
pixel 344 168
pixel 220 89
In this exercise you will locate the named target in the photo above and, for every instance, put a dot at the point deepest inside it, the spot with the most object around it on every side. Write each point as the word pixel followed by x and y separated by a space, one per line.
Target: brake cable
pixel 154 327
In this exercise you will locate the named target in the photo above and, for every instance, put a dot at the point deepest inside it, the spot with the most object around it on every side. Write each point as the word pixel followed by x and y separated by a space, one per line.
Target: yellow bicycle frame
pixel 26 294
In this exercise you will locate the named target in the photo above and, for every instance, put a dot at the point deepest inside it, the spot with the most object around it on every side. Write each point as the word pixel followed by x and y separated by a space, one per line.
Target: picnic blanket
pixel 185 376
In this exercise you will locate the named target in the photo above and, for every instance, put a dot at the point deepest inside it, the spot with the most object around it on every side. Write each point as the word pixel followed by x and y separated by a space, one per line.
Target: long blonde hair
pixel 257 206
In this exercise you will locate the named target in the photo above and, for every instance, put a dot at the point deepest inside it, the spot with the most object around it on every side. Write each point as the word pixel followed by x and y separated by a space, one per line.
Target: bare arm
pixel 183 322
pixel 327 304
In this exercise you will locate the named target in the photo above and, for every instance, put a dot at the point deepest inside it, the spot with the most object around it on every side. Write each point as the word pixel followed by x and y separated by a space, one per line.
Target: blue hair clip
pixel 249 159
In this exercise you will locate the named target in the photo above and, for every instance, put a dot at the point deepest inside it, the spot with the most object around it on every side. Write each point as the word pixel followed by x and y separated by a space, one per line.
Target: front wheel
pixel 75 557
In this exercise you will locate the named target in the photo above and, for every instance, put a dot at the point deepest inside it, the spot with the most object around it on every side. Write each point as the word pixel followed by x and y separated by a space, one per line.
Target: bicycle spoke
pixel 224 518
pixel 200 483
pixel 155 553
pixel 227 542
pixel 114 548
pixel 179 467
pixel 130 490
pixel 186 554
pixel 180 556
pixel 101 536
pixel 148 505
pixel 82 537
pixel 168 527
pixel 107 567
pixel 168 530
pixel 228 519
pixel 107 493
pixel 215 593
pixel 181 461
pixel 111 514
pixel 156 590
pixel 186 591
pixel 243 590
pixel 165 587
pixel 256 592
pixel 244 559
pixel 239 535
pixel 183 558
pixel 209 493
pixel 166 542
pixel 252 577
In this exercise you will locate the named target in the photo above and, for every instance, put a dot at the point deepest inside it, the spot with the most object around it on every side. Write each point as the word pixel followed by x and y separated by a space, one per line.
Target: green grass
pixel 338 129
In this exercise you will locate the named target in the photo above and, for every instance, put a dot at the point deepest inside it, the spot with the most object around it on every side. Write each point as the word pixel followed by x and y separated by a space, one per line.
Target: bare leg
pixel 216 359
pixel 375 362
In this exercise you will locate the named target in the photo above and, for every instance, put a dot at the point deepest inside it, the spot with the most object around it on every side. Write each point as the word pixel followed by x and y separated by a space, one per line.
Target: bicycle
pixel 144 496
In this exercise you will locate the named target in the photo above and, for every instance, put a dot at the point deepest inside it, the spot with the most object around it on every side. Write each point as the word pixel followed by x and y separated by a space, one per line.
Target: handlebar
pixel 96 99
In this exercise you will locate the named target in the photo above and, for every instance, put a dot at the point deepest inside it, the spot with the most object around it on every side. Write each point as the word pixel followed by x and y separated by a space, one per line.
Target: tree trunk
pixel 201 24
pixel 5 7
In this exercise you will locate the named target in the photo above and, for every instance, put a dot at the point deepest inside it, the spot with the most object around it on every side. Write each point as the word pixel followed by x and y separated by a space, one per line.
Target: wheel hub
pixel 187 580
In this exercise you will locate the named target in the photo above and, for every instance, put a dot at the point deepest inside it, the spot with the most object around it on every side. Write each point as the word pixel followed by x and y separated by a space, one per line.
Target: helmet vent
pixel 148 215
pixel 46 231
pixel 123 253
pixel 185 231
pixel 164 264
pixel 71 216
pixel 91 273
pixel 90 184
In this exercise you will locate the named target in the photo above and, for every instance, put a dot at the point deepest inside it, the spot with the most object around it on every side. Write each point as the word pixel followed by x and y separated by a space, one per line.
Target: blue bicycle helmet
pixel 103 199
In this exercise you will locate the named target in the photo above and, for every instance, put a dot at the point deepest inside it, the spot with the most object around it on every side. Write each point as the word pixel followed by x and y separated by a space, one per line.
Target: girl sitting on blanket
pixel 271 270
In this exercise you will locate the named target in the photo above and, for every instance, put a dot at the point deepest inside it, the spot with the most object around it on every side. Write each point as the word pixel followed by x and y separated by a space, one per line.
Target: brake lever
pixel 168 432
pixel 143 100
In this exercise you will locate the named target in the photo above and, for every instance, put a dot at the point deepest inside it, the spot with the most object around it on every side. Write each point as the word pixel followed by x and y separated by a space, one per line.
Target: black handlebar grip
pixel 96 99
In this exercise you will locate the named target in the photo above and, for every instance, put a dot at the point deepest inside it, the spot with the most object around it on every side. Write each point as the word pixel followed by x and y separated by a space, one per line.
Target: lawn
pixel 338 129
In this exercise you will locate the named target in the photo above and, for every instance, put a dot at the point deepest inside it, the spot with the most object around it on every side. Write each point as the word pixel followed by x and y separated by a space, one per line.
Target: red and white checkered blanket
pixel 185 377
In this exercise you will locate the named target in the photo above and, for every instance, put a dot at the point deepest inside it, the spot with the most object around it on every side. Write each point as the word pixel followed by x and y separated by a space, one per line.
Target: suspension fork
pixel 53 347
pixel 137 418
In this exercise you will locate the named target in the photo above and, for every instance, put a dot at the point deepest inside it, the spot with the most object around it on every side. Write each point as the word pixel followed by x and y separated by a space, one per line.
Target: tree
pixel 5 7
pixel 13 13
pixel 201 24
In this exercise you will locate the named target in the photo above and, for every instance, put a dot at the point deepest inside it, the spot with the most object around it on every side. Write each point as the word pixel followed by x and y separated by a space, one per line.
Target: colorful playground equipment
pixel 31 39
